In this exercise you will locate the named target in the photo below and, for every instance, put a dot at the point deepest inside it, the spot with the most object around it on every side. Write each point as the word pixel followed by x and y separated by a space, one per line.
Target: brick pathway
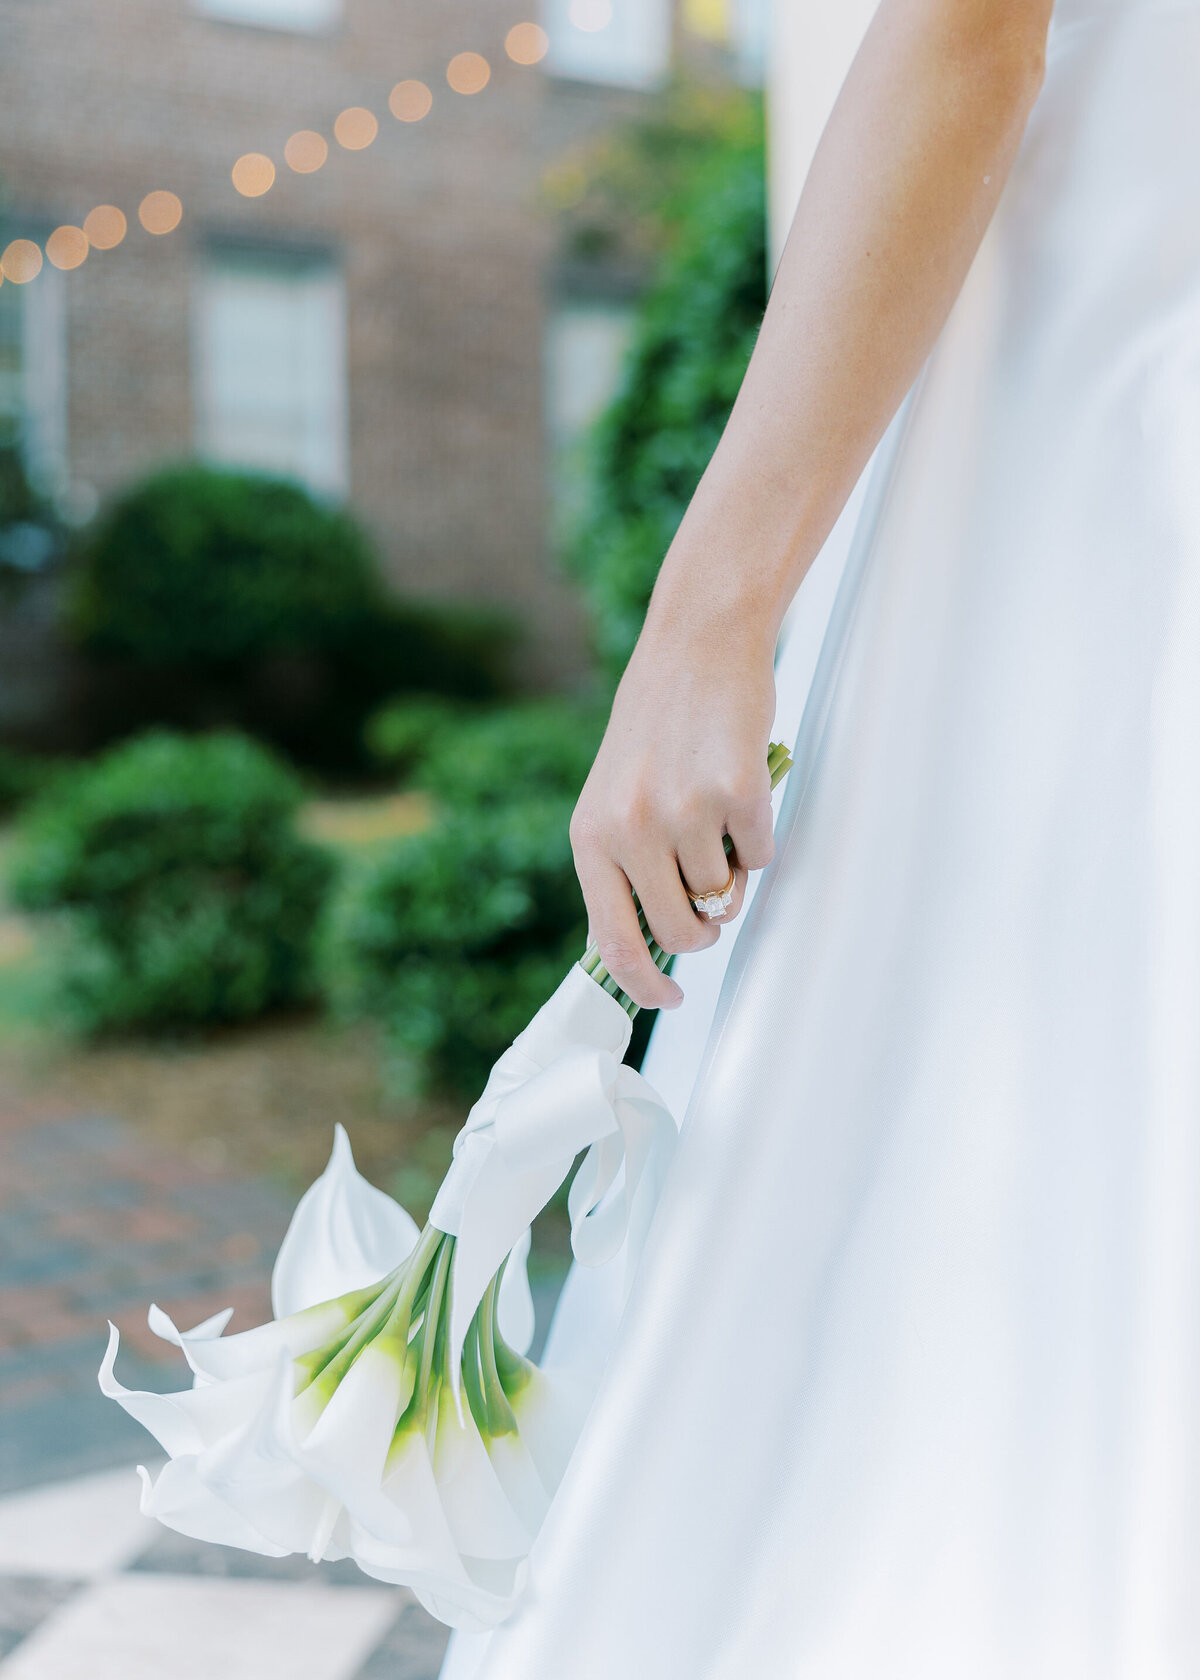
pixel 95 1222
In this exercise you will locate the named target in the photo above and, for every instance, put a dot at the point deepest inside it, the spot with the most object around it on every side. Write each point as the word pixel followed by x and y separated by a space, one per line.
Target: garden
pixel 306 859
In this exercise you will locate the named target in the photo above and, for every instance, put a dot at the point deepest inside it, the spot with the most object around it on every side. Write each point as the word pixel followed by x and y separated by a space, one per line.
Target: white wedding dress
pixel 908 1386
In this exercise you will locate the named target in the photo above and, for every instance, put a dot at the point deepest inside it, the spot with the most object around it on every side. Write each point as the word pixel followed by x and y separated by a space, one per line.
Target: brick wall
pixel 443 245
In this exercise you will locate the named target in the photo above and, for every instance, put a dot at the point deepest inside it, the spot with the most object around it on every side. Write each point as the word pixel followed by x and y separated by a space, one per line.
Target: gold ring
pixel 716 901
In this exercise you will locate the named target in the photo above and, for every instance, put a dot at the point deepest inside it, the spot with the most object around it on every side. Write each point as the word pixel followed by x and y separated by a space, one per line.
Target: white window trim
pixel 334 477
pixel 41 385
pixel 302 17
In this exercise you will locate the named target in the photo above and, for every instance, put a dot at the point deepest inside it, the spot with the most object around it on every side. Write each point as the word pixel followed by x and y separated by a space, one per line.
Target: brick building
pixel 390 326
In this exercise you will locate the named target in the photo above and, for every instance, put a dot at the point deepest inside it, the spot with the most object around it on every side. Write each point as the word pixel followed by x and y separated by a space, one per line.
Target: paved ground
pixel 95 1222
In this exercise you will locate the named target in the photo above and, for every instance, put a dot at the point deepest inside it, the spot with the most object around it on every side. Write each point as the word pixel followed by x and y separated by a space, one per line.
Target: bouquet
pixel 388 1412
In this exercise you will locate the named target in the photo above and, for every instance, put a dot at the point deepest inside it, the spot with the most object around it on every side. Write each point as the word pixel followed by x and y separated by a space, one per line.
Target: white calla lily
pixel 344 1235
pixel 559 1088
pixel 333 1430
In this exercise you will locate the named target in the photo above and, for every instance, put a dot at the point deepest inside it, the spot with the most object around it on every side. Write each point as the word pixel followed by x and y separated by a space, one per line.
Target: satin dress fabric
pixel 908 1383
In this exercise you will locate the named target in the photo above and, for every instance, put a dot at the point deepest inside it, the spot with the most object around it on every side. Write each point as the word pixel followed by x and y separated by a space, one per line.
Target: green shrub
pixel 184 892
pixel 493 757
pixel 21 775
pixel 201 565
pixel 693 338
pixel 455 936
pixel 213 597
pixel 409 729
pixel 532 750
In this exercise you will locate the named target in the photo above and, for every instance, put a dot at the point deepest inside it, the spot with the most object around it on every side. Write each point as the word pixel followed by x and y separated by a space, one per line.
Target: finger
pixel 613 925
pixel 737 889
pixel 668 909
pixel 751 828
pixel 705 868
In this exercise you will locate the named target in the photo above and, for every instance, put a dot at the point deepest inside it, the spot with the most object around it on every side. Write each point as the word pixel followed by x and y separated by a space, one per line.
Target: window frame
pixel 321 264
pixel 43 413
pixel 231 12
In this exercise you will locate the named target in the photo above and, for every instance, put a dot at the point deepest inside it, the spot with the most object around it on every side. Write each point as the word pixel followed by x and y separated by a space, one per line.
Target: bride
pixel 908 1386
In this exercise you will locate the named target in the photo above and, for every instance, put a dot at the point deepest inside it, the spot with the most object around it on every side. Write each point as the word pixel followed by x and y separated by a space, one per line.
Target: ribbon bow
pixel 560 1087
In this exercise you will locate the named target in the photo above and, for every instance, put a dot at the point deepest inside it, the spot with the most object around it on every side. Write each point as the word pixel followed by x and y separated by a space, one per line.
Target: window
pixel 33 377
pixel 627 42
pixel 586 344
pixel 269 354
pixel 276 14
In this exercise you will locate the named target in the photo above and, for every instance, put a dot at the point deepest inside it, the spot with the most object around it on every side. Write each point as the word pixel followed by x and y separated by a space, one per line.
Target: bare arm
pixel 903 185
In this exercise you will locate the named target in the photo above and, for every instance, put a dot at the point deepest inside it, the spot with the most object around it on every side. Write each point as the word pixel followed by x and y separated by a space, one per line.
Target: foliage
pixel 184 892
pixel 626 194
pixel 31 536
pixel 455 936
pixel 495 756
pixel 693 338
pixel 21 776
pixel 408 729
pixel 203 566
pixel 216 596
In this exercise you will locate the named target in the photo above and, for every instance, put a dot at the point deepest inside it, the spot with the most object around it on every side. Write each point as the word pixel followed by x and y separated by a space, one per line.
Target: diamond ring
pixel 713 903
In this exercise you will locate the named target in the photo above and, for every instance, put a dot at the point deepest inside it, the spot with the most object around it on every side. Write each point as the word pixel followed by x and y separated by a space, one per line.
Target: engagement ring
pixel 714 903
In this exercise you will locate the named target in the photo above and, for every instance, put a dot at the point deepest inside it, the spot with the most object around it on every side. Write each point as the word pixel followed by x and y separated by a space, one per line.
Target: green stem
pixel 779 762
pixel 356 1303
pixel 432 1327
pixel 472 1381
pixel 390 1304
pixel 500 1418
pixel 343 1354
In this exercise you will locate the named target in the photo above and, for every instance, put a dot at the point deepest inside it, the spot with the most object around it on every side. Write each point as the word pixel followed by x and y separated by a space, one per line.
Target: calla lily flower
pixel 339 1429
pixel 388 1412
pixel 559 1088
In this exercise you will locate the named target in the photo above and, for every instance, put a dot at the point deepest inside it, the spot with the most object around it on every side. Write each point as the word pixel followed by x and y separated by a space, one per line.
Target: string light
pixel 67 247
pixel 355 128
pixel 306 151
pixel 409 101
pixel 468 72
pixel 21 262
pixel 253 174
pixel 526 43
pixel 105 227
pixel 160 212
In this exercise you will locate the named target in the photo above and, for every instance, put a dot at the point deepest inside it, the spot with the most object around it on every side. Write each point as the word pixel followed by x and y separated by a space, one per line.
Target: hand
pixel 683 762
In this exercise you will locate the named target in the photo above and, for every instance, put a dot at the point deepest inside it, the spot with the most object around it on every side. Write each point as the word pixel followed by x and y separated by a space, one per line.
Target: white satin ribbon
pixel 560 1087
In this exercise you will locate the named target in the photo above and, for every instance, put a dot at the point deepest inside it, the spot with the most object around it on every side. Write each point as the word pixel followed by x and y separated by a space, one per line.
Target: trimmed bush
pixel 452 938
pixel 203 566
pixel 209 597
pixel 21 776
pixel 409 729
pixel 494 757
pixel 184 891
